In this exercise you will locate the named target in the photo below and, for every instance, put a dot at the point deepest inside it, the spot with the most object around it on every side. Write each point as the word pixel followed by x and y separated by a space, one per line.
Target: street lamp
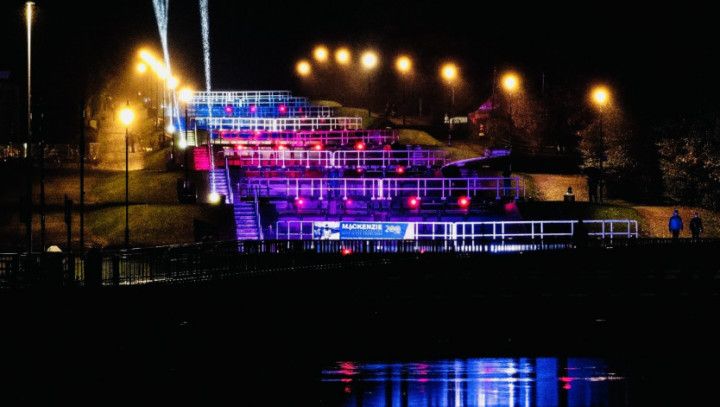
pixel 510 83
pixel 29 6
pixel 303 68
pixel 600 97
pixel 403 64
pixel 186 96
pixel 126 118
pixel 321 54
pixel 342 56
pixel 449 73
pixel 369 61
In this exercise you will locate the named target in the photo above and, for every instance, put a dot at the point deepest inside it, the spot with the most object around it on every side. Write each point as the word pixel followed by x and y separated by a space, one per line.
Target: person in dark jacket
pixel 696 227
pixel 675 225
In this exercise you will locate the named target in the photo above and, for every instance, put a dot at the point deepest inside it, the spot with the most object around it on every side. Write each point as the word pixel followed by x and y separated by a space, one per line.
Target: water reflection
pixel 475 382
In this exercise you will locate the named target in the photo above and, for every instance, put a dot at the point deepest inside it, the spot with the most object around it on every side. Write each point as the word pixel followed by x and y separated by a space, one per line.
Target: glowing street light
pixel 186 95
pixel 510 82
pixel 214 197
pixel 449 72
pixel 369 60
pixel 403 64
pixel 173 82
pixel 321 53
pixel 303 68
pixel 126 118
pixel 342 56
pixel 600 96
pixel 141 68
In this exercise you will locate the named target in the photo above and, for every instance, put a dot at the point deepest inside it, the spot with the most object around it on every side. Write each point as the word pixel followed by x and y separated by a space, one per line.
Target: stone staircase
pixel 246 222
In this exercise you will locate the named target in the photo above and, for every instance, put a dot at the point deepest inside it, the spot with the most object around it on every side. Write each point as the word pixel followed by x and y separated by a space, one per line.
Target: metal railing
pixel 228 182
pixel 462 234
pixel 305 138
pixel 290 109
pixel 257 216
pixel 385 188
pixel 276 124
pixel 334 159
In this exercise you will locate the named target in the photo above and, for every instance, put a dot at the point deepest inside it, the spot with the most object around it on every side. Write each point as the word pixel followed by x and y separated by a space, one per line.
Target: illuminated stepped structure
pixel 313 174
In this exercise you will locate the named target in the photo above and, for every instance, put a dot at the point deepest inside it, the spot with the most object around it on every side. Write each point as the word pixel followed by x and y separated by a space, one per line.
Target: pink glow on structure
pixel 253 109
pixel 282 109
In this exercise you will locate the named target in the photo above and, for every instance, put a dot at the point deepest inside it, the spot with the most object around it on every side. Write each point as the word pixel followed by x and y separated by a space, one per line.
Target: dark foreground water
pixel 475 382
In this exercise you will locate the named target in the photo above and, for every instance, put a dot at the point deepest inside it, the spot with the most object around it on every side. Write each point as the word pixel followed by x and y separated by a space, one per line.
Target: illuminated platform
pixel 319 158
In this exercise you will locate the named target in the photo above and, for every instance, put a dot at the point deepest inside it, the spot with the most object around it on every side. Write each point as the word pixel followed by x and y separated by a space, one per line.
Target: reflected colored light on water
pixel 475 382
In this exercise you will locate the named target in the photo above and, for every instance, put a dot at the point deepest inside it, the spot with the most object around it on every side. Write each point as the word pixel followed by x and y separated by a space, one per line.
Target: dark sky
pixel 662 61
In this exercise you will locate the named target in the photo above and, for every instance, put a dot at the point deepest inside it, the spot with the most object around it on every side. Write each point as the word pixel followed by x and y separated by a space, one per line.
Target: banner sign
pixel 363 230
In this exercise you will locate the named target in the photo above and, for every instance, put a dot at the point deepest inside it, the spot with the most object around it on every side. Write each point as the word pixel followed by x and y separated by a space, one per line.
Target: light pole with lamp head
pixel 449 73
pixel 404 66
pixel 126 118
pixel 511 86
pixel 186 96
pixel 369 60
pixel 601 98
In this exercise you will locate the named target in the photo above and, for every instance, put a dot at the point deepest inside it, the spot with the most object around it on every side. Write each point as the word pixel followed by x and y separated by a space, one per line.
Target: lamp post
pixel 369 61
pixel 29 7
pixel 601 98
pixel 511 86
pixel 126 117
pixel 449 73
pixel 186 95
pixel 404 64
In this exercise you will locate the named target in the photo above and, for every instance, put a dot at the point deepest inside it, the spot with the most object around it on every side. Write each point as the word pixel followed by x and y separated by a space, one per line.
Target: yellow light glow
pixel 449 72
pixel 600 95
pixel 170 128
pixel 141 68
pixel 182 144
pixel 303 68
pixel 173 82
pixel 186 95
pixel 403 64
pixel 369 59
pixel 342 56
pixel 127 116
pixel 321 53
pixel 510 82
pixel 213 197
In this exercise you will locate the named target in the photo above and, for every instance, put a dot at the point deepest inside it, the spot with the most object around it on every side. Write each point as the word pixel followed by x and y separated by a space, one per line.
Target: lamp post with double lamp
pixel 449 72
pixel 126 118
pixel 600 97
pixel 369 61
pixel 404 65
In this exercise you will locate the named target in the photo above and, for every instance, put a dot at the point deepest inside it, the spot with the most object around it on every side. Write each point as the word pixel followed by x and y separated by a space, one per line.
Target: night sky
pixel 663 62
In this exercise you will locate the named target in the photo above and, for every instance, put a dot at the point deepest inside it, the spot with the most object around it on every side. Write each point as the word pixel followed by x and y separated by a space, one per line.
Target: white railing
pixel 385 188
pixel 247 98
pixel 307 138
pixel 335 159
pixel 281 124
pixel 470 233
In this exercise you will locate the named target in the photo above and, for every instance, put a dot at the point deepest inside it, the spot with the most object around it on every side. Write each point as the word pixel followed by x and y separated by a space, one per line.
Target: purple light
pixel 228 109
pixel 282 109
pixel 253 109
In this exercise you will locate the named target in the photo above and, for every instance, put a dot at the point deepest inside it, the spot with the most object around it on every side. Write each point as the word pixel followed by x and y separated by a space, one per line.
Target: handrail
pixel 460 232
pixel 228 182
pixel 257 215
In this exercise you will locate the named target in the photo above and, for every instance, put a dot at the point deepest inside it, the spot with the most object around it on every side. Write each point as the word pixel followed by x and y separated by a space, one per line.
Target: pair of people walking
pixel 675 225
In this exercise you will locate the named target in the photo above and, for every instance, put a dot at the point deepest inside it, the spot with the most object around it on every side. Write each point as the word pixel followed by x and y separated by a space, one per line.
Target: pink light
pixel 464 202
pixel 359 145
pixel 318 147
pixel 228 109
pixel 282 109
pixel 346 251
pixel 348 202
pixel 253 109
pixel 359 170
pixel 414 202
pixel 400 170
pixel 300 202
